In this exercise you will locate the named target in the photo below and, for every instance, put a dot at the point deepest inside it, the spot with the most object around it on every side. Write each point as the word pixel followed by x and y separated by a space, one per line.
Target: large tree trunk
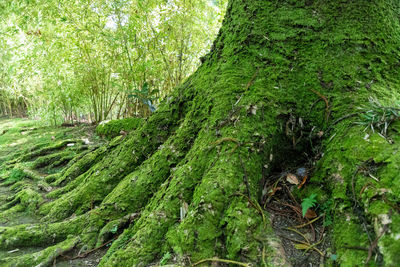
pixel 184 182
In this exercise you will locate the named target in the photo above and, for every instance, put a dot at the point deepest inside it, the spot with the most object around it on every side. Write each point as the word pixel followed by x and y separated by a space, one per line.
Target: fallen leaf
pixel 291 178
pixel 310 214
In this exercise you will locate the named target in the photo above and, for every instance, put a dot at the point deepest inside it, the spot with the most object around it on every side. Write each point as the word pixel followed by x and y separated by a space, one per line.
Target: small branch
pixel 257 207
pixel 250 83
pixel 356 248
pixel 374 245
pixel 346 117
pixel 227 139
pixel 325 100
pixel 313 246
pixel 310 222
pixel 299 233
pixel 293 240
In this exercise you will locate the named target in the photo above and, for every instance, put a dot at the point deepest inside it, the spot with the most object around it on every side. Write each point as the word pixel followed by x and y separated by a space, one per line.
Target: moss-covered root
pixel 82 163
pixel 102 178
pixel 362 173
pixel 74 175
pixel 27 199
pixel 20 173
pixel 41 151
pixel 39 235
pixel 202 211
pixel 113 128
pixel 48 160
pixel 46 257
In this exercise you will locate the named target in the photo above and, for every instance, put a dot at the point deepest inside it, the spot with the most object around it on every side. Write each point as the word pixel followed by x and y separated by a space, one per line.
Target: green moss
pixel 389 243
pixel 27 235
pixel 369 162
pixel 14 176
pixel 47 160
pixel 46 257
pixel 80 165
pixel 113 128
pixel 348 232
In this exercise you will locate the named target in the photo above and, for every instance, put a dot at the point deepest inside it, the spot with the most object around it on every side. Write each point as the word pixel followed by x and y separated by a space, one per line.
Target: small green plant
pixel 378 117
pixel 164 260
pixel 308 202
pixel 145 96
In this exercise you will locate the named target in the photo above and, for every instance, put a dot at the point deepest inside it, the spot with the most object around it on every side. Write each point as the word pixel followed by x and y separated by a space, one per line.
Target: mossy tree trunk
pixel 181 182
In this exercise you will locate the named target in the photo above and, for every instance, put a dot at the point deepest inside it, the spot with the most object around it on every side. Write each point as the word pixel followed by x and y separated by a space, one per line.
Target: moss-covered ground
pixel 30 154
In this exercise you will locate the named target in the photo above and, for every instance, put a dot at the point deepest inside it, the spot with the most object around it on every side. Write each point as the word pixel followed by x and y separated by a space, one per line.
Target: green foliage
pixel 164 260
pixel 113 128
pixel 308 202
pixel 377 116
pixel 145 96
pixel 73 61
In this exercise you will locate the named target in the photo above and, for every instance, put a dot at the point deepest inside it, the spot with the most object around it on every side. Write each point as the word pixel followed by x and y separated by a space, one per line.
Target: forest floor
pixel 32 157
pixel 29 156
pixel 38 165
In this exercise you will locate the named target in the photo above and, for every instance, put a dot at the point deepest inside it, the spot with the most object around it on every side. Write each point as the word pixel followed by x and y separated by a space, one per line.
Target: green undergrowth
pixel 28 154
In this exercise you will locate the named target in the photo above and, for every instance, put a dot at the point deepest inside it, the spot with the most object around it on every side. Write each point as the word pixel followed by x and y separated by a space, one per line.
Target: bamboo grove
pixel 93 60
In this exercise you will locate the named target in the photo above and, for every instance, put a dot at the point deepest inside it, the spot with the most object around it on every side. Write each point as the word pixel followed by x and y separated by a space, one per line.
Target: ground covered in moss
pixel 31 160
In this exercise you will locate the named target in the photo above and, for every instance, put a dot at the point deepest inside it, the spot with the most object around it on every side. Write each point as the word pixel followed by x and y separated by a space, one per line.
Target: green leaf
pixel 165 258
pixel 308 203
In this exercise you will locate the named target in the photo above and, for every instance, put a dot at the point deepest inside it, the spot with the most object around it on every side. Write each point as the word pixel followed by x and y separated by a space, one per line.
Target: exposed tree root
pixel 41 151
pixel 43 258
pixel 40 234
